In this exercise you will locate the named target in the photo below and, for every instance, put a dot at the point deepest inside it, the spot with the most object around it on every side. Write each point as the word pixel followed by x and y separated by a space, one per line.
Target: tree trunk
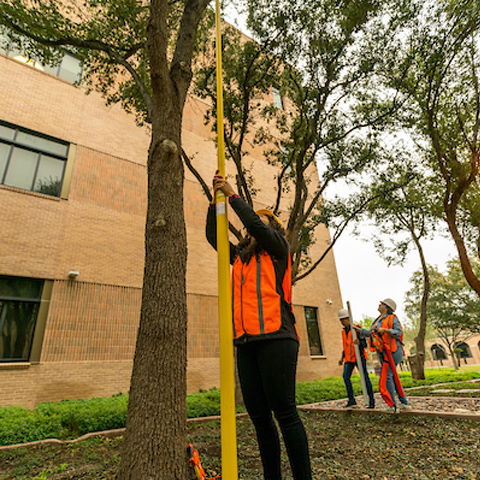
pixel 467 269
pixel 418 370
pixel 453 355
pixel 155 441
pixel 157 406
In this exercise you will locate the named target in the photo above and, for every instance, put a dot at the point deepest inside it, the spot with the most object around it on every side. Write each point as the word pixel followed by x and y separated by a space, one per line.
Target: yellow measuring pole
pixel 227 382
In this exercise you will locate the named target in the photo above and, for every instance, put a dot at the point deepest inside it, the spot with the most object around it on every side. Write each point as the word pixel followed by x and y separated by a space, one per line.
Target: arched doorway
pixel 438 353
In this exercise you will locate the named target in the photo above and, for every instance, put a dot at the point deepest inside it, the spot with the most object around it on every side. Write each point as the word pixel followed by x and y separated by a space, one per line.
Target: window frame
pixel 14 143
pixel 317 323
pixel 35 63
pixel 38 330
pixel 277 98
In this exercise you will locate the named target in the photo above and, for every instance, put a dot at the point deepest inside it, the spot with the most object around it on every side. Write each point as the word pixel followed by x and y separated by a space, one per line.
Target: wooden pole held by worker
pixel 357 353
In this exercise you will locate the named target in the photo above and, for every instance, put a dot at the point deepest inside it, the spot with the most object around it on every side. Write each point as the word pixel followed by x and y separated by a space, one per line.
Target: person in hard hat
pixel 264 332
pixel 349 361
pixel 386 336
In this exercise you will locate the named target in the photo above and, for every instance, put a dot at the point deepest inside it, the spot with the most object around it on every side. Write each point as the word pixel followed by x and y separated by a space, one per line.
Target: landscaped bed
pixel 342 445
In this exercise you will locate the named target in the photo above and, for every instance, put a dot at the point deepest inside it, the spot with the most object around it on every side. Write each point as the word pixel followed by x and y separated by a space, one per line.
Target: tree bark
pixel 418 372
pixel 155 441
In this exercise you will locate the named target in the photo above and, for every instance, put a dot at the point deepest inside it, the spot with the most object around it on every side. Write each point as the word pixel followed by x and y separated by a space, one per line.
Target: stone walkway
pixel 429 404
pixel 445 403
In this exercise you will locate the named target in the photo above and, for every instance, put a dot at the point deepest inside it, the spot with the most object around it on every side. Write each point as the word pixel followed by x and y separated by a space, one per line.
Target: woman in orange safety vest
pixel 386 335
pixel 349 361
pixel 264 333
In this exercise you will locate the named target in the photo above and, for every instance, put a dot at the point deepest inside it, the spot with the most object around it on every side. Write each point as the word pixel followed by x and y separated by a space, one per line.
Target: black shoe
pixel 350 405
pixel 371 405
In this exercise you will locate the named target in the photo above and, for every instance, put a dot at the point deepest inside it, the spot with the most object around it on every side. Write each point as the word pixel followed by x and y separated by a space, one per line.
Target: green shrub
pixel 28 428
pixel 72 418
pixel 203 404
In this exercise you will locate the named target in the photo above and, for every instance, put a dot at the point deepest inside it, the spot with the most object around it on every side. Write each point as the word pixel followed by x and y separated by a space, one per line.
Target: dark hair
pixel 389 310
pixel 250 246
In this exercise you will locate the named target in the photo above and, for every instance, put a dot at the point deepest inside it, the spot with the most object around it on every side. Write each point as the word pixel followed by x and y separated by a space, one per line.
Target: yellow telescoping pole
pixel 227 379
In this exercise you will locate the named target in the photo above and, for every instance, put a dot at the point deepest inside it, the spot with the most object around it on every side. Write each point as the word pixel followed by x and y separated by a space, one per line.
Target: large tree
pixel 441 53
pixel 404 217
pixel 453 307
pixel 139 53
pixel 321 56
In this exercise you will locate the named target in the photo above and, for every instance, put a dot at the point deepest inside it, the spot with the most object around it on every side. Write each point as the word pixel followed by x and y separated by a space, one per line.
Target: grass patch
pixel 69 419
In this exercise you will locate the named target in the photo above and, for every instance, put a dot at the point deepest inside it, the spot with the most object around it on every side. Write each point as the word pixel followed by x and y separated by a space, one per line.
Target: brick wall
pixel 99 231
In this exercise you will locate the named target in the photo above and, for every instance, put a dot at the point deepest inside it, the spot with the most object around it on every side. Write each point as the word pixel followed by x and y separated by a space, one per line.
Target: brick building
pixel 466 348
pixel 72 213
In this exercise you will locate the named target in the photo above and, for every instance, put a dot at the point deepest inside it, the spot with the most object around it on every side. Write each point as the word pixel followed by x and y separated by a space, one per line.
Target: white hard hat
pixel 343 314
pixel 390 303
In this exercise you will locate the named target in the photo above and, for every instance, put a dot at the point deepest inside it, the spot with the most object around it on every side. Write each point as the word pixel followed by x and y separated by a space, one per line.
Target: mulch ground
pixel 344 445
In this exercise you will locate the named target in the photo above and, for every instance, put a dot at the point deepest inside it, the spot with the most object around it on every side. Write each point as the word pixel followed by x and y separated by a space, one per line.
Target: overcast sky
pixel 365 278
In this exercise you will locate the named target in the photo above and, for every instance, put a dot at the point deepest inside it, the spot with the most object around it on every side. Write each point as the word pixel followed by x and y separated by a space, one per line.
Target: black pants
pixel 267 371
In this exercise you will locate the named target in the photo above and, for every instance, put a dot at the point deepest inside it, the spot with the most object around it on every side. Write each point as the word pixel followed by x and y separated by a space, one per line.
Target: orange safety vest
pixel 256 301
pixel 349 347
pixel 377 341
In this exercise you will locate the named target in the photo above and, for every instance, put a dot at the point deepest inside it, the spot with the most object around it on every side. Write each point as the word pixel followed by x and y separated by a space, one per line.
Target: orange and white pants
pixel 389 380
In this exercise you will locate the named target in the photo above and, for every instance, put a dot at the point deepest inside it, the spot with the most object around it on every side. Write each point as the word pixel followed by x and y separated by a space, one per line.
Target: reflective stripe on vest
pixel 256 304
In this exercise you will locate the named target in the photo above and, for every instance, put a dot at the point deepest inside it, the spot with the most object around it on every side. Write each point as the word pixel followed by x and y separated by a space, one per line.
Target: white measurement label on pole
pixel 221 208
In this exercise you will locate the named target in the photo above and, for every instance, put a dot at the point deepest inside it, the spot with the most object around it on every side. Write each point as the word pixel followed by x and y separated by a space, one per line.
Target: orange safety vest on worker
pixel 260 304
pixel 377 341
pixel 349 347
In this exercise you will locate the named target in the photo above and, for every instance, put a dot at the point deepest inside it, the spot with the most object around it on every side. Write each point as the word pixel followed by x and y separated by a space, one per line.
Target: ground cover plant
pixel 343 446
pixel 69 419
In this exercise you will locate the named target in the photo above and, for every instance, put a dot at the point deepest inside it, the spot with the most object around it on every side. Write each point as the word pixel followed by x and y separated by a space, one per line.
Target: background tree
pixel 404 216
pixel 440 53
pixel 322 58
pixel 453 306
pixel 139 54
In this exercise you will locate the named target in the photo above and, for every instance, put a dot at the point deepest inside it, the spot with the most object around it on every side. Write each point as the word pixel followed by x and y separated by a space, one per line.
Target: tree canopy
pixel 321 59
pixel 434 68
pixel 453 308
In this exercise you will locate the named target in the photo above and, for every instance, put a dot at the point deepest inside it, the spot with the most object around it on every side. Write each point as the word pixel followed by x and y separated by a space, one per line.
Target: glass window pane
pixel 42 144
pixel 7 133
pixel 49 176
pixel 314 339
pixel 313 331
pixel 18 287
pixel 51 70
pixel 21 169
pixel 277 98
pixel 4 152
pixel 17 324
pixel 70 68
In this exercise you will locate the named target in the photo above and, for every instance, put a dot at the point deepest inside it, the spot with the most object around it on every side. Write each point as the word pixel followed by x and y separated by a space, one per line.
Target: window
pixel 438 352
pixel 19 306
pixel 31 161
pixel 277 98
pixel 313 331
pixel 69 68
